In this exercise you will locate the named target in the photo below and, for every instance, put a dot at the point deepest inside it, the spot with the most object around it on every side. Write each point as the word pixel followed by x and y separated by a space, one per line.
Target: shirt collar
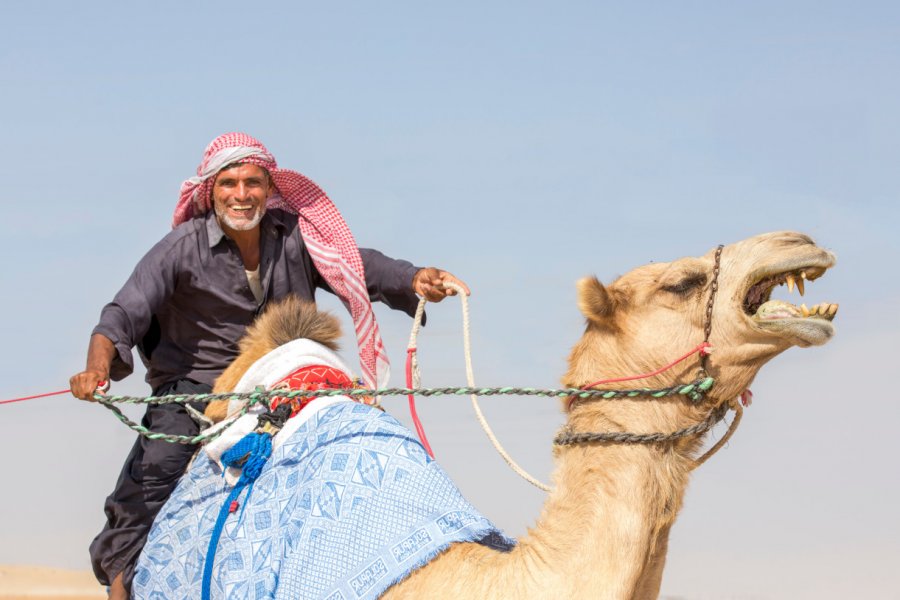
pixel 213 229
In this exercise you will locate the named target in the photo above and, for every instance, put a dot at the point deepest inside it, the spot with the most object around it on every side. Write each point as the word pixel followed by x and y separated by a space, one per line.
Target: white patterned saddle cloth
pixel 346 506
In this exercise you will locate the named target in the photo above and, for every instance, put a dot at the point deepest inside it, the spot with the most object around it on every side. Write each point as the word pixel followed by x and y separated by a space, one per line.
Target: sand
pixel 44 583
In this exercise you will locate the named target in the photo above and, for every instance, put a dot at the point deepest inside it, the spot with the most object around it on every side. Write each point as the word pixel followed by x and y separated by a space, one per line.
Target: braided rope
pixel 568 437
pixel 695 390
pixel 165 437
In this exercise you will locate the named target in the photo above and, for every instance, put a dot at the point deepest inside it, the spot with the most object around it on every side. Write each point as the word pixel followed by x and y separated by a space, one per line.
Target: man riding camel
pixel 245 233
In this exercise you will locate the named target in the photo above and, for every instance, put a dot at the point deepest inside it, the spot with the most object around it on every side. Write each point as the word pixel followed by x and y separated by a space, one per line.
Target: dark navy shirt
pixel 188 302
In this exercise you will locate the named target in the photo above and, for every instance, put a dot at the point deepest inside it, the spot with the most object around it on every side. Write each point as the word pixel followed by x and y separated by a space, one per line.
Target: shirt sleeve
pixel 126 319
pixel 389 280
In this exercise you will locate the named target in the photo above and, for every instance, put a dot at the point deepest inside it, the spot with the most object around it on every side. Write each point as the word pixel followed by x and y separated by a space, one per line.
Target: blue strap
pixel 250 455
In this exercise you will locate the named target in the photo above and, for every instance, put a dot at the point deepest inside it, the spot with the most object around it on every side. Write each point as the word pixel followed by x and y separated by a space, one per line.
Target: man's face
pixel 239 196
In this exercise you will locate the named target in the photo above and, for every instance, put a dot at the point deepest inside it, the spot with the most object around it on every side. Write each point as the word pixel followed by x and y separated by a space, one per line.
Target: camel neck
pixel 604 528
pixel 606 525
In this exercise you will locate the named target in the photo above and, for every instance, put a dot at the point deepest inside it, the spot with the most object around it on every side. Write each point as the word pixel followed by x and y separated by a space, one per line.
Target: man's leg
pixel 149 476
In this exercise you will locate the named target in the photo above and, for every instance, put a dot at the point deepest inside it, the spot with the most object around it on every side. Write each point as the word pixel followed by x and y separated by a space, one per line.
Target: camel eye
pixel 687 284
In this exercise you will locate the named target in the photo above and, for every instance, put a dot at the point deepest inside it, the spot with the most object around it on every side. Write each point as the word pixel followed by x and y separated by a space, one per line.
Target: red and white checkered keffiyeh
pixel 327 237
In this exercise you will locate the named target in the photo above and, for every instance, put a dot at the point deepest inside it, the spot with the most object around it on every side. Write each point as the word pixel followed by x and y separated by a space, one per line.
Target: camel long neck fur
pixel 603 529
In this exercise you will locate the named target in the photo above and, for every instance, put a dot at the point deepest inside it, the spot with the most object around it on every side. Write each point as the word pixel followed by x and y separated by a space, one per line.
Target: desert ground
pixel 44 583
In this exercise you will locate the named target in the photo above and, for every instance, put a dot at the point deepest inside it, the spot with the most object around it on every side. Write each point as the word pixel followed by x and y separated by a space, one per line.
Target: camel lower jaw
pixel 800 331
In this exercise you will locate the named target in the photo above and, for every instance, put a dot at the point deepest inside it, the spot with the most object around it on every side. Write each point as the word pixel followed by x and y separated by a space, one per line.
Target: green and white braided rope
pixel 694 390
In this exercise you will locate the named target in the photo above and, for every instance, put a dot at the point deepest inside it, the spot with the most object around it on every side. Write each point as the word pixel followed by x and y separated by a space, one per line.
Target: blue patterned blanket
pixel 347 506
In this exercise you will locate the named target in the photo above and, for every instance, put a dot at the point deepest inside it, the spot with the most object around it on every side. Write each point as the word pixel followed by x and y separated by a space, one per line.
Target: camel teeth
pixel 800 287
pixel 802 274
pixel 790 282
pixel 804 311
pixel 832 309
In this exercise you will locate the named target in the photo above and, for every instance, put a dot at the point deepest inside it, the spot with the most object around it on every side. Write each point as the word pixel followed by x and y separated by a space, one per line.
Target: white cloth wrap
pixel 223 158
pixel 266 372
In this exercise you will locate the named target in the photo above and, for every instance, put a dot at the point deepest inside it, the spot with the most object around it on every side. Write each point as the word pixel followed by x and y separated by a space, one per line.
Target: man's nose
pixel 241 191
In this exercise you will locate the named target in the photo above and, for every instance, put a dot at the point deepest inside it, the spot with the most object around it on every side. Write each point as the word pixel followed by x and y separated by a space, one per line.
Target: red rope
pixel 412 402
pixel 66 391
pixel 703 348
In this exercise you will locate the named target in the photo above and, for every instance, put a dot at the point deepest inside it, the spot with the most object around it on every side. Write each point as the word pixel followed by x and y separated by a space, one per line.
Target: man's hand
pixel 429 283
pixel 100 356
pixel 84 384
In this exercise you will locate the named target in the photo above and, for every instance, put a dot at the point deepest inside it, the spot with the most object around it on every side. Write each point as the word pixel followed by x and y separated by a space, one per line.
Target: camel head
pixel 654 314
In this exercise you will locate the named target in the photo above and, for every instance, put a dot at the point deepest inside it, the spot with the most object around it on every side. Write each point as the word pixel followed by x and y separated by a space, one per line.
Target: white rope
pixel 470 379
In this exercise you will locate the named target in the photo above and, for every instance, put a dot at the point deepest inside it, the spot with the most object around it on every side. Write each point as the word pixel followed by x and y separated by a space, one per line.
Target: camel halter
pixel 568 437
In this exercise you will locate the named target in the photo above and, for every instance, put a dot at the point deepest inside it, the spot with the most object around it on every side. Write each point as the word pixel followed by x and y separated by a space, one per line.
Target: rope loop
pixel 470 379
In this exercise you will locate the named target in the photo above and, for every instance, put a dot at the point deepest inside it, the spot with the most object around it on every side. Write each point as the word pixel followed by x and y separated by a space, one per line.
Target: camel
pixel 603 531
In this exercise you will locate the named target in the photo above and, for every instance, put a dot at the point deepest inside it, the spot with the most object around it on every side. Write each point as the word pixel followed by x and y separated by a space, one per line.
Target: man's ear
pixel 596 303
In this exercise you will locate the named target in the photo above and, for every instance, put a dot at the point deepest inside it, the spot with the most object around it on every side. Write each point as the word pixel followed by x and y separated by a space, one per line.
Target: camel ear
pixel 595 302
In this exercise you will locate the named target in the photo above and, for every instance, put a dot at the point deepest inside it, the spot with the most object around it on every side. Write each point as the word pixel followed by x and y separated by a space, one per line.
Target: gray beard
pixel 244 225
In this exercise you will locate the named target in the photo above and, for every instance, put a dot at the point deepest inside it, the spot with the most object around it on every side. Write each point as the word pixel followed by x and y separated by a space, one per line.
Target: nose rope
pixel 413 376
pixel 60 392
pixel 704 348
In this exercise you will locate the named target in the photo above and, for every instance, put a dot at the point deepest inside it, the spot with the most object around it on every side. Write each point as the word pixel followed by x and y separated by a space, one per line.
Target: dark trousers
pixel 149 476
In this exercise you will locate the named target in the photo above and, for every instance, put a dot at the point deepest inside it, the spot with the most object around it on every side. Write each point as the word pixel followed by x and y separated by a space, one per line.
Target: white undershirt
pixel 255 285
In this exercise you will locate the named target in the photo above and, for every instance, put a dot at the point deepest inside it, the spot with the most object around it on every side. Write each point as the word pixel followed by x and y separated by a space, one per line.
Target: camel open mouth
pixel 802 324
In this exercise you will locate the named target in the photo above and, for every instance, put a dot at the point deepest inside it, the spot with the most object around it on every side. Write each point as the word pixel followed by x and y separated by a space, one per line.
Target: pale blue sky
pixel 520 145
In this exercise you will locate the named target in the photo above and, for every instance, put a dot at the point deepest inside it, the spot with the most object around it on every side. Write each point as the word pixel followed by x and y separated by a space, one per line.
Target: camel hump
pixel 283 321
pixel 290 319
